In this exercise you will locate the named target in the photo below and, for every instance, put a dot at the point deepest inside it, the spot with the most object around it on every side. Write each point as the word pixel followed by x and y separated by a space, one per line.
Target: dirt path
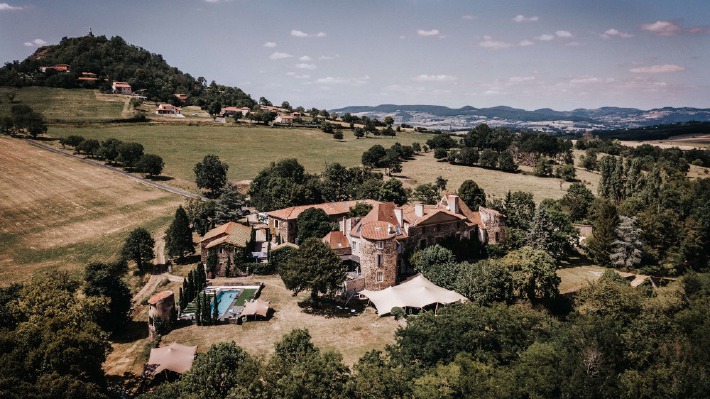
pixel 159 249
pixel 127 112
pixel 117 170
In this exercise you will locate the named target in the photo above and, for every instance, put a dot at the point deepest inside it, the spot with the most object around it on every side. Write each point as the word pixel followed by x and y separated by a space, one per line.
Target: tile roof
pixel 377 231
pixel 336 240
pixel 121 84
pixel 410 215
pixel 330 208
pixel 159 297
pixel 381 212
pixel 234 233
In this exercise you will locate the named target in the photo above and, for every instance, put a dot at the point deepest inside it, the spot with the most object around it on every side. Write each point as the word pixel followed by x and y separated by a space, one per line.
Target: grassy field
pixel 425 169
pixel 65 105
pixel 246 149
pixel 60 213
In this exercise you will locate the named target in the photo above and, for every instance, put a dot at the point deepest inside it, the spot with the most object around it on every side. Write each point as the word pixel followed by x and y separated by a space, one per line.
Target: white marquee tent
pixel 176 357
pixel 417 292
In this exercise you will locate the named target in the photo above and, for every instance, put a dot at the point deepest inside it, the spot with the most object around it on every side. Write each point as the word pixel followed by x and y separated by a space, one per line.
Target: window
pixel 379 260
pixel 380 277
pixel 276 223
pixel 354 245
pixel 380 244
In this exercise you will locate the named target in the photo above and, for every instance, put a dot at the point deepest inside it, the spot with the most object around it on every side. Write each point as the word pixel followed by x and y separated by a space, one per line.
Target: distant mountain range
pixel 544 119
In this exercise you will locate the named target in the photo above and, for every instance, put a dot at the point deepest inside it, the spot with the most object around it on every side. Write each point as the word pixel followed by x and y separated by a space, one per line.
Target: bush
pixel 398 313
pixel 265 268
pixel 440 153
pixel 338 135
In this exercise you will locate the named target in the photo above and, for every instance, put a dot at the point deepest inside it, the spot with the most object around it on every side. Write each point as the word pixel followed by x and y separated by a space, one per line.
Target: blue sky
pixel 528 54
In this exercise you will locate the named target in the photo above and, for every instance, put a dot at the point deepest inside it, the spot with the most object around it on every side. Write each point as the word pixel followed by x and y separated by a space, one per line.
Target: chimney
pixel 419 210
pixel 342 224
pixel 399 214
pixel 453 203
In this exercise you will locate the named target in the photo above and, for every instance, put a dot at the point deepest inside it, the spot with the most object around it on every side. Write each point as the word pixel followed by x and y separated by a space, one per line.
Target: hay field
pixel 425 169
pixel 60 213
pixel 247 149
pixel 67 105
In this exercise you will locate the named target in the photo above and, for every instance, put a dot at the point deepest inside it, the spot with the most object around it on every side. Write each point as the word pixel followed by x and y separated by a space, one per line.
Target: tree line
pixel 114 151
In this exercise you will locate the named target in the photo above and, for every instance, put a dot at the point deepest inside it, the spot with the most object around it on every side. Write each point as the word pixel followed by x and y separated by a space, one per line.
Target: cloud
pixel 520 79
pixel 662 28
pixel 563 33
pixel 611 33
pixel 297 76
pixel 305 66
pixel 545 38
pixel 8 7
pixel 433 32
pixel 469 17
pixel 356 81
pixel 434 78
pixel 279 56
pixel 523 18
pixel 665 68
pixel 305 58
pixel 525 43
pixel 35 42
pixel 299 33
pixel 489 42
pixel 328 57
pixel 270 44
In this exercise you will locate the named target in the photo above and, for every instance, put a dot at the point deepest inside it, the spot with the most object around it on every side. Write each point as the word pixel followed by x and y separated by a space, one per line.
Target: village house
pixel 375 243
pixel 225 240
pixel 161 310
pixel 168 109
pixel 61 68
pixel 181 97
pixel 233 111
pixel 284 118
pixel 88 77
pixel 121 88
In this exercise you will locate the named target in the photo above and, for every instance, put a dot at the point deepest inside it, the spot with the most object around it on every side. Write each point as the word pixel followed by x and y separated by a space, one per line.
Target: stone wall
pixel 369 267
pixel 286 229
pixel 434 234
pixel 163 309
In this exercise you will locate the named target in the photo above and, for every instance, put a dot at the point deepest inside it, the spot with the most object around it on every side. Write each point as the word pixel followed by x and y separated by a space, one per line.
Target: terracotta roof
pixel 474 217
pixel 336 240
pixel 233 233
pixel 410 215
pixel 381 212
pixel 491 211
pixel 121 84
pixel 377 231
pixel 330 208
pixel 159 297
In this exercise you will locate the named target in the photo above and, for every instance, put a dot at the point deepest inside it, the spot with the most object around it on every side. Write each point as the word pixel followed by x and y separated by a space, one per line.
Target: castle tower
pixel 378 257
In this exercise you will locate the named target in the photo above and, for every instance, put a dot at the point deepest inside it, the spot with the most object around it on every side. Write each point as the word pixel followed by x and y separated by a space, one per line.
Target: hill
pixel 445 118
pixel 115 60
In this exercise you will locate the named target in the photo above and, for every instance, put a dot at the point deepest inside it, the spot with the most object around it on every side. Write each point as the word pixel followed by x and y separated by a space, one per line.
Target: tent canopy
pixel 256 307
pixel 176 357
pixel 417 292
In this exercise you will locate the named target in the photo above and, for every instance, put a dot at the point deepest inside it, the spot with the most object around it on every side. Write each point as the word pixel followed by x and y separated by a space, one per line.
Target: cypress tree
pixel 606 168
pixel 181 299
pixel 198 311
pixel 200 277
pixel 212 262
pixel 634 178
pixel 215 310
pixel 178 239
pixel 206 316
pixel 604 221
pixel 617 181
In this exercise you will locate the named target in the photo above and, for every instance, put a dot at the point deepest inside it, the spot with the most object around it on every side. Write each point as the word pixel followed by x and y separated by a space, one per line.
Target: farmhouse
pixel 61 68
pixel 232 111
pixel 376 242
pixel 225 240
pixel 284 118
pixel 88 77
pixel 121 88
pixel 168 109
pixel 181 97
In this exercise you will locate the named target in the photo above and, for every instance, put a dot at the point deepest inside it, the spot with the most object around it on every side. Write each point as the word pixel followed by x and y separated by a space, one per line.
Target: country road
pixel 159 186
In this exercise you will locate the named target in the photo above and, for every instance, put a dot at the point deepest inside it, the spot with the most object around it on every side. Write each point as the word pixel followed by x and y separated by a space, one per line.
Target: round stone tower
pixel 378 255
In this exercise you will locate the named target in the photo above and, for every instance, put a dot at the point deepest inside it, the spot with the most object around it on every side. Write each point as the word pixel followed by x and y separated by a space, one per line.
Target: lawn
pixel 66 105
pixel 246 149
pixel 60 213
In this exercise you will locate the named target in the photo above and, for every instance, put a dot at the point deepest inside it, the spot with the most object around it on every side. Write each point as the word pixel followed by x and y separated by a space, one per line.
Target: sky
pixel 559 54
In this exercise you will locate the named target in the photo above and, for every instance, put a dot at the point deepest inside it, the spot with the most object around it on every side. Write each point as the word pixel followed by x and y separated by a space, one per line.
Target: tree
pixel 393 191
pixel 488 158
pixel 359 133
pixel 441 183
pixel 566 172
pixel 533 273
pixel 627 249
pixel 551 230
pixel 604 221
pixel 373 156
pixel 338 135
pixel 440 153
pixel 138 247
pixel 264 102
pixel 506 162
pixel 360 209
pixel 543 167
pixel 106 280
pixel 25 118
pixel 150 164
pixel 215 108
pixel 228 205
pixel 485 282
pixel 211 174
pixel 389 121
pixel 89 147
pixel 129 154
pixel 178 237
pixel 315 267
pixel 109 149
pixel 285 105
pixel 577 201
pixel 313 222
pixel 426 193
pixel 472 195
pixel 437 264
pixel 71 141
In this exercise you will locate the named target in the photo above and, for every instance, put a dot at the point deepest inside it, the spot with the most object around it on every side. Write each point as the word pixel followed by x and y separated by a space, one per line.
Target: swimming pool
pixel 225 299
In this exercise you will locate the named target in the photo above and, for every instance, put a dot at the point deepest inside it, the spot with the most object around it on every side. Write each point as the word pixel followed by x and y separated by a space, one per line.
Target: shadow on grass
pixel 330 308
pixel 133 331
pixel 160 178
